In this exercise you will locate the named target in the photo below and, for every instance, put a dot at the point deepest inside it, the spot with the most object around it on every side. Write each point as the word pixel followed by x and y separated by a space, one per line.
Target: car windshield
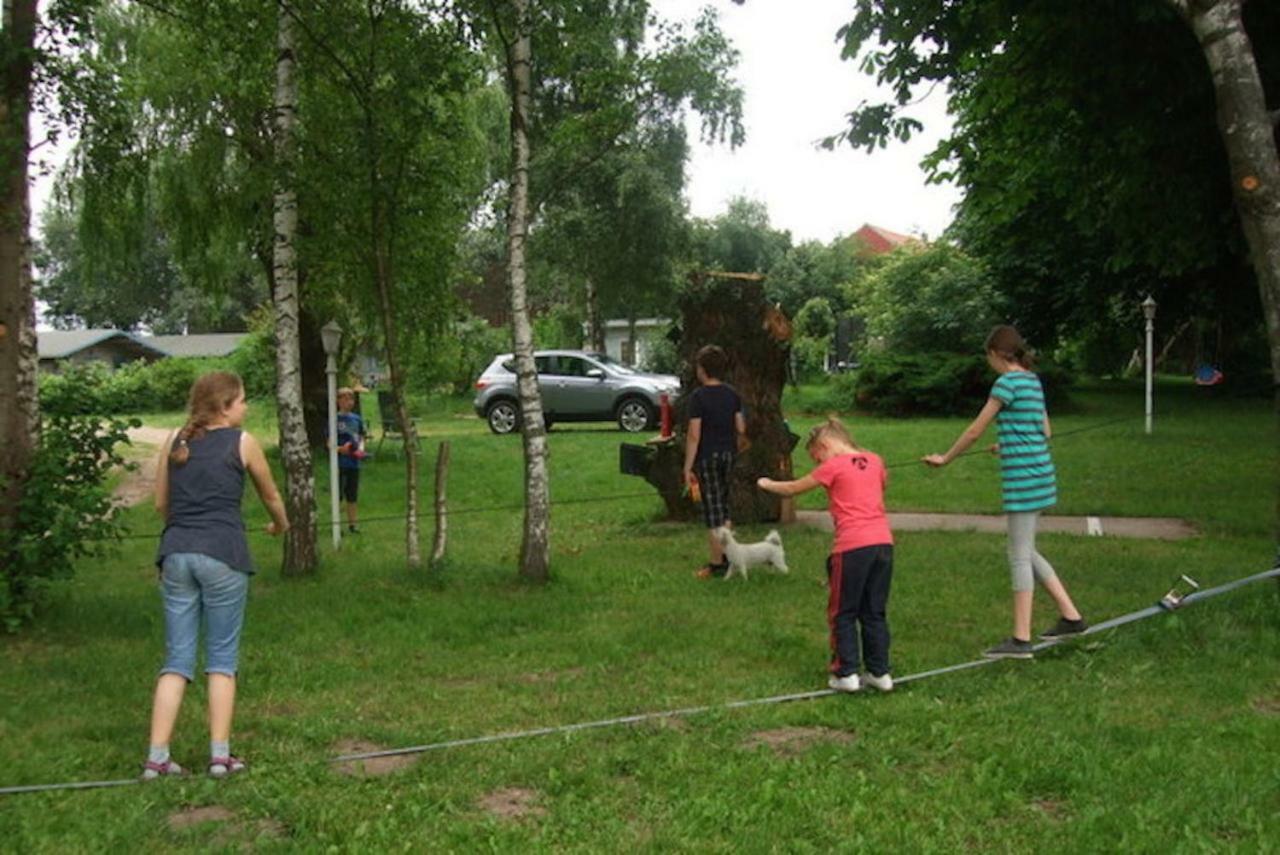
pixel 613 364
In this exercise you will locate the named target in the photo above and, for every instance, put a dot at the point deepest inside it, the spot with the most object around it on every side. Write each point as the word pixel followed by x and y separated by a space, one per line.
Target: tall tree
pixel 1085 133
pixel 300 556
pixel 132 277
pixel 394 121
pixel 580 81
pixel 19 417
pixel 535 546
pixel 1248 131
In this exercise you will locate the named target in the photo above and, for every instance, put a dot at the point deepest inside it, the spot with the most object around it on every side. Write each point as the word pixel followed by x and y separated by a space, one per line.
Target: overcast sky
pixel 798 90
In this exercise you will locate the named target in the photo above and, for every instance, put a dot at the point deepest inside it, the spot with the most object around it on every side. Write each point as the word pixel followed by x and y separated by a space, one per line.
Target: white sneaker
pixel 845 684
pixel 884 682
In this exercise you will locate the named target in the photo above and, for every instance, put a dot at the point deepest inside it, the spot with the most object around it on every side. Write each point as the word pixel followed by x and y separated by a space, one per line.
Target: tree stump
pixel 730 310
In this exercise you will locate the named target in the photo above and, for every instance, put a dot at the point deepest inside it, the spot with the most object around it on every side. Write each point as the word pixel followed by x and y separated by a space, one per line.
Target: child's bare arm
pixel 691 439
pixel 256 462
pixel 971 434
pixel 162 477
pixel 788 488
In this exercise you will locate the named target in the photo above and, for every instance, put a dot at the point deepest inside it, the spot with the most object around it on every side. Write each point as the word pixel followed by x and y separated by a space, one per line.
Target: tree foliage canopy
pixel 1085 142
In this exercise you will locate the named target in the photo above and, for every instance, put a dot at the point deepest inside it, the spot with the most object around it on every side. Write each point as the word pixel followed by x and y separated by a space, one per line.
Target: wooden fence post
pixel 442 474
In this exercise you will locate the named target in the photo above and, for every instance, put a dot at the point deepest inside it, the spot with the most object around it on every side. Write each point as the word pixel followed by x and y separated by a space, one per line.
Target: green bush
pixel 559 328
pixel 65 512
pixel 918 384
pixel 661 356
pixel 923 299
pixel 144 387
pixel 254 359
pixel 809 357
pixel 134 387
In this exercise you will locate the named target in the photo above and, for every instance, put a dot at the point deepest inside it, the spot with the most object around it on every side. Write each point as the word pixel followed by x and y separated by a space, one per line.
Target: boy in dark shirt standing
pixel 711 446
pixel 351 437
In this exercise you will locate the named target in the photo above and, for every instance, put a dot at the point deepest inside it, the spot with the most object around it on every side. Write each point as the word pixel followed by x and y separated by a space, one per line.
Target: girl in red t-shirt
pixel 860 566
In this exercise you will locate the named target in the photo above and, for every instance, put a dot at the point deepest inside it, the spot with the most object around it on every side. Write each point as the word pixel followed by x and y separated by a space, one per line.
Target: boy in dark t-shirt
pixel 711 446
pixel 351 437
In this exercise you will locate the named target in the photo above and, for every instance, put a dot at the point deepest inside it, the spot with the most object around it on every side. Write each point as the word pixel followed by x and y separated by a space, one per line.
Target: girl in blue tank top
pixel 1029 485
pixel 204 561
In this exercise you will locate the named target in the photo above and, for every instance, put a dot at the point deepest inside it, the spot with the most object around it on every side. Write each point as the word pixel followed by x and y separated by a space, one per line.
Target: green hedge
pixel 921 384
pixel 134 387
pixel 142 387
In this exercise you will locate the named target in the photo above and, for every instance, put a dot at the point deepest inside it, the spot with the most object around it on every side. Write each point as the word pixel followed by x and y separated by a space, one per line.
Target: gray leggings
pixel 1024 561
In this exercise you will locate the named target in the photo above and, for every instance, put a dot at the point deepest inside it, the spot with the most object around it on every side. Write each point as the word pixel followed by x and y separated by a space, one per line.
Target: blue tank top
pixel 204 502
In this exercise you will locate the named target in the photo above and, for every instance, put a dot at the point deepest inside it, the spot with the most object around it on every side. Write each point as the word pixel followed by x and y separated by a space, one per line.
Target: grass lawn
pixel 1159 736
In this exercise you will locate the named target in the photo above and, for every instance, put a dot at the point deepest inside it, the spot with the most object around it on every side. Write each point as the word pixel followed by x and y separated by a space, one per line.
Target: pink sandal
pixel 221 767
pixel 167 769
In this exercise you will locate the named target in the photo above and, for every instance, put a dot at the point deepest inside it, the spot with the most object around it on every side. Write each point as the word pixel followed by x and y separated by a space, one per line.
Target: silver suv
pixel 576 386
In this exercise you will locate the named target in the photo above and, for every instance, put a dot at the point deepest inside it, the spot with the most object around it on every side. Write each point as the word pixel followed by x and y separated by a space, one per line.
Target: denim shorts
pixel 196 587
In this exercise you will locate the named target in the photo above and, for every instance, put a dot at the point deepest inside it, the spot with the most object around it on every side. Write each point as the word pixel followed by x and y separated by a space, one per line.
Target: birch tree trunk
pixel 595 323
pixel 382 273
pixel 19 405
pixel 1249 138
pixel 535 546
pixel 300 555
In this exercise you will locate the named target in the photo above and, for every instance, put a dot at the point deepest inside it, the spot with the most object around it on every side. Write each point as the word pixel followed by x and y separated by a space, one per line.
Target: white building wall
pixel 616 336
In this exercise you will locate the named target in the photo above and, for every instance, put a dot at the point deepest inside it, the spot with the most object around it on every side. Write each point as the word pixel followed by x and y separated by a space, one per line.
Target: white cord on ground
pixel 1112 623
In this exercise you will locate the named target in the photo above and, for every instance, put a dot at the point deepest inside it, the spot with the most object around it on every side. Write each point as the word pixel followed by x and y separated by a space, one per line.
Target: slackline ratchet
pixel 1121 620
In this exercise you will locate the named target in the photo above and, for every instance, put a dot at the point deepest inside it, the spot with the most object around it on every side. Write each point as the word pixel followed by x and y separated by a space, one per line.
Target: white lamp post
pixel 331 337
pixel 1149 312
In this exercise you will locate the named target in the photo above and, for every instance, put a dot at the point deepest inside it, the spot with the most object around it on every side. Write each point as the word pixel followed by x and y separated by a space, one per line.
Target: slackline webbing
pixel 1112 623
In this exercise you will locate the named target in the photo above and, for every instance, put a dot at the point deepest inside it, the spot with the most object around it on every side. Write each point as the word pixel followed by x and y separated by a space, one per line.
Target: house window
pixel 628 352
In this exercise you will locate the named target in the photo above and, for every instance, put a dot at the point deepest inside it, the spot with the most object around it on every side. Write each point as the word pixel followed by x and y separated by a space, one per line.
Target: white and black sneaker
pixel 1010 648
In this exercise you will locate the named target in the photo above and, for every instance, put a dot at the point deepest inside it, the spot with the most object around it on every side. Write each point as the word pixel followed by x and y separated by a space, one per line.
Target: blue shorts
pixel 196 587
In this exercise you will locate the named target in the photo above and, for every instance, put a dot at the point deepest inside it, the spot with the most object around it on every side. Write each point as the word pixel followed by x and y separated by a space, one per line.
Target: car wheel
pixel 502 416
pixel 635 415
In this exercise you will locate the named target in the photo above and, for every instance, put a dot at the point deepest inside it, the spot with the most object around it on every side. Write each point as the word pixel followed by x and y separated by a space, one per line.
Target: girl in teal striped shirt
pixel 1029 485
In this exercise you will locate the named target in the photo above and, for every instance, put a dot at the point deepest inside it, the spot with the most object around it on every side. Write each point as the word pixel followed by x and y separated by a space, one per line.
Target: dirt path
pixel 1156 528
pixel 137 486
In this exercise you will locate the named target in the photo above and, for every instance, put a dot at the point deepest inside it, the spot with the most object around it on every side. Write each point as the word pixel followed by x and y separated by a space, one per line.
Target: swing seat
pixel 1207 375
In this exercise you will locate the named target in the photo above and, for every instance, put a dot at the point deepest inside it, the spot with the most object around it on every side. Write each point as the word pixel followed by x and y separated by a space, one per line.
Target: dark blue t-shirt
pixel 350 430
pixel 716 406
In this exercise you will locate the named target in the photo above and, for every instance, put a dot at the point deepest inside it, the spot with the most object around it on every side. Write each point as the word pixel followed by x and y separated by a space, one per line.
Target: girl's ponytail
pixel 181 451
pixel 832 428
pixel 210 396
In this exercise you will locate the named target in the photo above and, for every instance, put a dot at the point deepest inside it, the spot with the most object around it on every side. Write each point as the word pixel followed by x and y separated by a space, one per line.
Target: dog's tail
pixel 774 538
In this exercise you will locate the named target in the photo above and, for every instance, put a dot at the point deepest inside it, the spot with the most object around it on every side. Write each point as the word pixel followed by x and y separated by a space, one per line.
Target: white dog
pixel 745 555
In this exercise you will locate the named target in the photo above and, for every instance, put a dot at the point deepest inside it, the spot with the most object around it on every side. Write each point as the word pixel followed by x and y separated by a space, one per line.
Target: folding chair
pixel 390 420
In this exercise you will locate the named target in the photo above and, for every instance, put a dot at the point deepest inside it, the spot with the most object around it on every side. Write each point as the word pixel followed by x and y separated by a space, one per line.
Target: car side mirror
pixel 596 373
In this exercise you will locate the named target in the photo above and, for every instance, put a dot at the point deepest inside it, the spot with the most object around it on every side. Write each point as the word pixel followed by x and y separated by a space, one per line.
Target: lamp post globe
pixel 331 338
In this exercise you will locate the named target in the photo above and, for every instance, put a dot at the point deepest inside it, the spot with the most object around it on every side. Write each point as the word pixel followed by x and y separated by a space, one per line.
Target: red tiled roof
pixel 877 240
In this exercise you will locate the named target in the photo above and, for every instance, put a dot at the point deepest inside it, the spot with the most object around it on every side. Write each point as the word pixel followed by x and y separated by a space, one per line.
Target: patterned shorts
pixel 713 479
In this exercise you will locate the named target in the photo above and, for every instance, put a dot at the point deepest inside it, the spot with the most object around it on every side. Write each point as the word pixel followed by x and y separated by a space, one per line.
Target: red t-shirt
pixel 855 496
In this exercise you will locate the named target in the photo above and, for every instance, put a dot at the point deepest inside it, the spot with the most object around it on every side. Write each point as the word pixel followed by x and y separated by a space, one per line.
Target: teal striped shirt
pixel 1026 469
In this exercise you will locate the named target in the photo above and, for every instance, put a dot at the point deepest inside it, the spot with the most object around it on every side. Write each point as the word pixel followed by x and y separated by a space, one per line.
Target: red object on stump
pixel 664 406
